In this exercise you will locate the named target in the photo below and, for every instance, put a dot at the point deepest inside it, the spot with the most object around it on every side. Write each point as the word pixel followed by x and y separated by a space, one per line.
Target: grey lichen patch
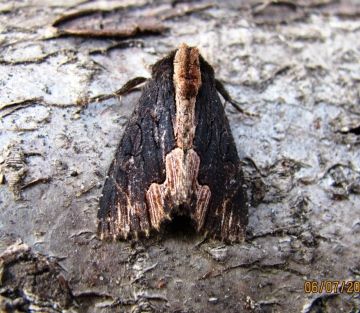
pixel 14 167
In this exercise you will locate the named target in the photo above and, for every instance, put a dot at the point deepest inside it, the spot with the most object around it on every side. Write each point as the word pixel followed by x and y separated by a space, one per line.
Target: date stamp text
pixel 332 286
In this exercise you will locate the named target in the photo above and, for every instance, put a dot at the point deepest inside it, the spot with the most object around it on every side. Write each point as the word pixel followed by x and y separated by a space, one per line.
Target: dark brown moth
pixel 177 157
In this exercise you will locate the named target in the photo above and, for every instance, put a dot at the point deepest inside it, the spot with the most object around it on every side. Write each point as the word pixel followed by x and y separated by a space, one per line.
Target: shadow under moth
pixel 177 157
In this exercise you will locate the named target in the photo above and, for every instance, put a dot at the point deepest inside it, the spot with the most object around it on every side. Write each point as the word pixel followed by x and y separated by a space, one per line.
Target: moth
pixel 177 157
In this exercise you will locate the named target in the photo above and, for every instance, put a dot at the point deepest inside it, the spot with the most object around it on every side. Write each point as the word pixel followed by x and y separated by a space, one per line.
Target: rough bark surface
pixel 296 65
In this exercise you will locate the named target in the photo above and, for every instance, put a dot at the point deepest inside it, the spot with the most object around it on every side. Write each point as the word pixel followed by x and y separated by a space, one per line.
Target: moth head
pixel 187 74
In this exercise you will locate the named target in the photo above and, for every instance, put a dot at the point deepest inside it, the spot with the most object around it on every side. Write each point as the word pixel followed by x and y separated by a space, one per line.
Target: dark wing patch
pixel 140 158
pixel 220 167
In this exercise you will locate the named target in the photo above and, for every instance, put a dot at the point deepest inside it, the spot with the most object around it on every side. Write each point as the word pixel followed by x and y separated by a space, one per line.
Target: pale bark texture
pixel 293 65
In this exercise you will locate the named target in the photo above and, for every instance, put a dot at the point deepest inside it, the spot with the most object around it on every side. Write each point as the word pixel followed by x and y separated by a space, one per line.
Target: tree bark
pixel 295 65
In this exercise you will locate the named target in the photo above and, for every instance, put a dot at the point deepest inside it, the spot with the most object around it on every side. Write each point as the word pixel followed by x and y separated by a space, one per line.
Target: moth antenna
pixel 130 86
pixel 225 94
pixel 127 88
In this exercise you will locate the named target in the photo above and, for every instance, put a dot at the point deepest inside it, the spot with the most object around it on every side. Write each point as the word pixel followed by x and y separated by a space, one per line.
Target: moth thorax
pixel 187 81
